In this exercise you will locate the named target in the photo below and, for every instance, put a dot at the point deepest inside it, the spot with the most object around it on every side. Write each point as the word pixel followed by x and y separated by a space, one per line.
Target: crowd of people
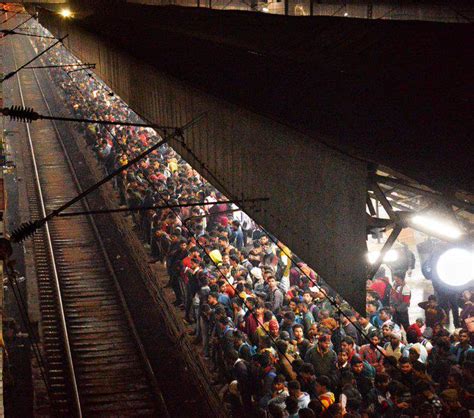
pixel 282 341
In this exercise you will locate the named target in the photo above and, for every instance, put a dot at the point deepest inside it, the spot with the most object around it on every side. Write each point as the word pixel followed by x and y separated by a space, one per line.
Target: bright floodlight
pixel 65 13
pixel 455 267
pixel 437 226
pixel 390 256
pixel 265 10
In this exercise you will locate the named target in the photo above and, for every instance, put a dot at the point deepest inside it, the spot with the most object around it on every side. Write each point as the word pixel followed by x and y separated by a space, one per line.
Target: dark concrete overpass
pixel 296 109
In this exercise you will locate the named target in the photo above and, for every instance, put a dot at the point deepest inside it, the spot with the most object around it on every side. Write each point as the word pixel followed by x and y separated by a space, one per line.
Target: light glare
pixel 265 10
pixel 455 267
pixel 65 13
pixel 390 256
pixel 437 226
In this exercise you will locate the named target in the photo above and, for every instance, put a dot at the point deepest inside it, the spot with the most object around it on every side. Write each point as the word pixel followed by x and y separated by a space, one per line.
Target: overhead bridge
pixel 295 110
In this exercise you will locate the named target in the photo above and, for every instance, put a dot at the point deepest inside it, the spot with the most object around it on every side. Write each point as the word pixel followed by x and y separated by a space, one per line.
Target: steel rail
pixel 62 316
pixel 141 348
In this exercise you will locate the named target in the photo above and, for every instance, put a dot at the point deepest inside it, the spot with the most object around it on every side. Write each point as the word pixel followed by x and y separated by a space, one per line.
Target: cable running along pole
pixel 30 228
pixel 28 115
pixel 154 207
pixel 22 23
pixel 40 67
pixel 13 32
pixel 11 74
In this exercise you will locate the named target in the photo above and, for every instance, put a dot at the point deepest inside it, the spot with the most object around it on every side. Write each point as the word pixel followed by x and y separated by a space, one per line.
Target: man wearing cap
pixel 394 347
pixel 322 357
pixel 415 352
pixel 259 284
pixel 451 404
pixel 273 328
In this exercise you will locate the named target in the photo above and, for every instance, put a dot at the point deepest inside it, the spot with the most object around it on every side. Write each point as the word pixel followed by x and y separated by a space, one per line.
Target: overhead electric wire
pixel 142 208
pixel 12 32
pixel 22 23
pixel 37 67
pixel 30 228
pixel 11 74
pixel 28 115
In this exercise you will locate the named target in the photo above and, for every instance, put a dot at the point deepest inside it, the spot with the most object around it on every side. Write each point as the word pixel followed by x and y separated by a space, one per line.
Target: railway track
pixel 96 364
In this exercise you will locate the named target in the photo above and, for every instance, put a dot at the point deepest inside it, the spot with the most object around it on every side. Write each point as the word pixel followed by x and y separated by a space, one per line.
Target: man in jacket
pixel 322 357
